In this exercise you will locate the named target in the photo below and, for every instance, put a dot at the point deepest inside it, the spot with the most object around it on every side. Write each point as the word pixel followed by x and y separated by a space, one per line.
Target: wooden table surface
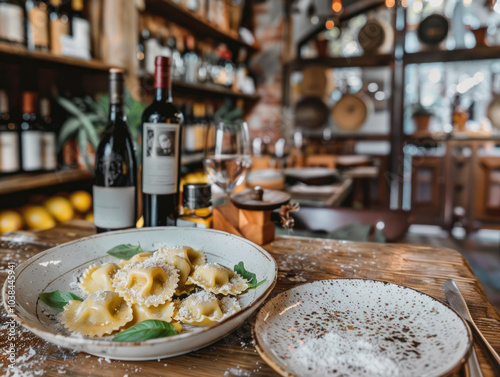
pixel 299 260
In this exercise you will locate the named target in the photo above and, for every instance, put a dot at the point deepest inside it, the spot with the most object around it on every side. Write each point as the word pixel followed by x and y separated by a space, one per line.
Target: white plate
pixel 355 327
pixel 57 268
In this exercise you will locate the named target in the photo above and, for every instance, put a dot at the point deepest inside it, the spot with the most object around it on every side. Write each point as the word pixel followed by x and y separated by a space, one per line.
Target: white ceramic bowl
pixel 57 268
pixel 356 327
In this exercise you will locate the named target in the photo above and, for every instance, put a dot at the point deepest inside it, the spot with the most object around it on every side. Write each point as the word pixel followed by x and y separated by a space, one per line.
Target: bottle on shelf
pixel 194 135
pixel 9 139
pixel 188 127
pixel 80 29
pixel 161 152
pixel 163 40
pixel 12 22
pixel 37 25
pixel 151 50
pixel 49 136
pixel 115 189
pixel 191 61
pixel 31 135
pixel 59 26
pixel 227 68
pixel 178 66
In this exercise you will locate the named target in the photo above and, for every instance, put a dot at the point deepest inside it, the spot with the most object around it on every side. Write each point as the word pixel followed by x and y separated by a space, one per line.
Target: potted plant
pixel 422 116
pixel 80 133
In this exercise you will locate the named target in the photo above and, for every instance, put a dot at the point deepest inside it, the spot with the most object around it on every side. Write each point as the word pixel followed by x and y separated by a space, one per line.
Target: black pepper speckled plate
pixel 356 327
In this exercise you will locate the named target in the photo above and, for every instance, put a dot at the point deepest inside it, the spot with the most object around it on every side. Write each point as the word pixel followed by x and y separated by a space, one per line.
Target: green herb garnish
pixel 125 251
pixel 250 276
pixel 149 329
pixel 58 299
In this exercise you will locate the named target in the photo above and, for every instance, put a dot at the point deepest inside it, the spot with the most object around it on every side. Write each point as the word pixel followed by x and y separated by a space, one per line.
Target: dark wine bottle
pixel 9 139
pixel 49 137
pixel 115 189
pixel 31 135
pixel 161 152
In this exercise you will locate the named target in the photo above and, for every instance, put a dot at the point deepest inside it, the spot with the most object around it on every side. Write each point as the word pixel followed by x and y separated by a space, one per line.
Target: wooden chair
pixel 394 223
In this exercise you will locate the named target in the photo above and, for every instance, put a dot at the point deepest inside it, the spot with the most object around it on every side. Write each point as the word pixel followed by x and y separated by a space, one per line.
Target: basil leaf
pixel 125 251
pixel 58 299
pixel 250 276
pixel 148 329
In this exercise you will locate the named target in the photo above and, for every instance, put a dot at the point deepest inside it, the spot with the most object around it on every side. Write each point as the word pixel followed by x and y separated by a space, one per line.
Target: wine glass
pixel 227 155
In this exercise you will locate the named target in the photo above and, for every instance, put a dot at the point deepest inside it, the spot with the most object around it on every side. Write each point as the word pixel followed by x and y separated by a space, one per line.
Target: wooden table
pixel 299 259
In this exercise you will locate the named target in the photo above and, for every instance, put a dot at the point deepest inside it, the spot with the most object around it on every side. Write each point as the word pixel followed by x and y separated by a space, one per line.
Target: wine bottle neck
pixel 117 113
pixel 163 95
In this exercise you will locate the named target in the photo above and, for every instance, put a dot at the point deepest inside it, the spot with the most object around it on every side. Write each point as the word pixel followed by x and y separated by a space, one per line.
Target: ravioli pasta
pixel 217 278
pixel 205 309
pixel 98 278
pixel 100 313
pixel 174 285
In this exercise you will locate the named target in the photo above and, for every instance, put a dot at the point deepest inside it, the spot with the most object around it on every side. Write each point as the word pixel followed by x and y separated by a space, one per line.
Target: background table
pixel 299 259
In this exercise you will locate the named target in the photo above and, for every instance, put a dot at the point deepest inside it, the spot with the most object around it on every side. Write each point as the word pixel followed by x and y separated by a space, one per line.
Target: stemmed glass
pixel 227 155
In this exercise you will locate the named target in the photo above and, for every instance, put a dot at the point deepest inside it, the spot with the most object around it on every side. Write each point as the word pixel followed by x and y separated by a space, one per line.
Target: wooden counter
pixel 299 259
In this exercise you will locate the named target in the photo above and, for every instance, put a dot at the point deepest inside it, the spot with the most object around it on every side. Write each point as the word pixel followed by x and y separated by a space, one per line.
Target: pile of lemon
pixel 56 209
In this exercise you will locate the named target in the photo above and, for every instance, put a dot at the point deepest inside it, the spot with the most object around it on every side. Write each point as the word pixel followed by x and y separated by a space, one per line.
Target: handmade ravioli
pixel 217 278
pixel 205 309
pixel 194 257
pixel 141 257
pixel 98 278
pixel 184 269
pixel 164 312
pixel 149 283
pixel 100 313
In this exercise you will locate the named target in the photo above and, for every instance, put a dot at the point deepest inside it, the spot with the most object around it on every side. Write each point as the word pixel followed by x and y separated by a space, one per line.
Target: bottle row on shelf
pixel 28 143
pixel 223 14
pixel 193 61
pixel 46 25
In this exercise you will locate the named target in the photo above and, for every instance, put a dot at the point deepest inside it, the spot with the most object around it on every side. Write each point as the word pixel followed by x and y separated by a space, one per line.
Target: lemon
pixel 89 217
pixel 10 221
pixel 60 208
pixel 38 218
pixel 140 222
pixel 81 201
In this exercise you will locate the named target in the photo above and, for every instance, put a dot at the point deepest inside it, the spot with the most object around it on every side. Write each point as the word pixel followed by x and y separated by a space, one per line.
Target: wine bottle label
pixel 32 150
pixel 49 150
pixel 11 22
pixel 58 28
pixel 9 152
pixel 114 207
pixel 81 34
pixel 39 27
pixel 153 49
pixel 160 158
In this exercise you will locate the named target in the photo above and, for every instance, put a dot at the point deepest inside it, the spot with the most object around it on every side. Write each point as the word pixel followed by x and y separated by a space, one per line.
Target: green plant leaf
pixel 92 135
pixel 58 299
pixel 250 276
pixel 148 329
pixel 68 129
pixel 125 251
pixel 82 146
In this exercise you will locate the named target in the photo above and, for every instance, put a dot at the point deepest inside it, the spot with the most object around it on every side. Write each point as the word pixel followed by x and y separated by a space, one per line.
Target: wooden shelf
pixel 184 17
pixel 23 182
pixel 359 136
pixel 181 87
pixel 435 56
pixel 184 87
pixel 16 53
pixel 356 61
